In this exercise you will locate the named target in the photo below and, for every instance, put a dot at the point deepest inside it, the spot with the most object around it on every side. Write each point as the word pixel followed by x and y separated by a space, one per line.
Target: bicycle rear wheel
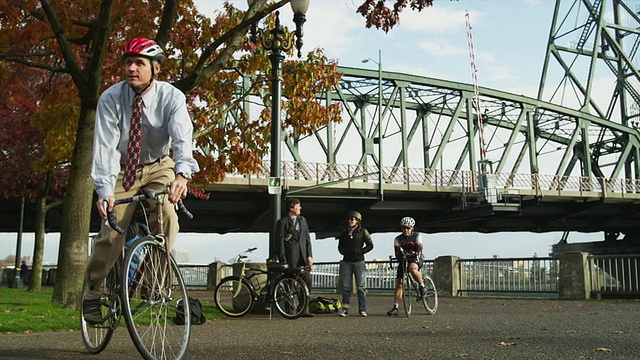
pixel 151 292
pixel 430 300
pixel 407 289
pixel 290 296
pixel 96 337
pixel 234 296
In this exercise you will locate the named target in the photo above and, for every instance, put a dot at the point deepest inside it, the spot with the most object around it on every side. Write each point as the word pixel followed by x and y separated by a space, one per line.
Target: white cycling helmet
pixel 407 221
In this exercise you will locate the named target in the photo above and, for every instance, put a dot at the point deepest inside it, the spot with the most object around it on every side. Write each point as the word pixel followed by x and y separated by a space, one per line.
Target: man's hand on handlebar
pixel 110 199
pixel 178 189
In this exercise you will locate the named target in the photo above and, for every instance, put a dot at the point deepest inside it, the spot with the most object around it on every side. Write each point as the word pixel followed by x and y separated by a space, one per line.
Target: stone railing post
pixel 574 281
pixel 213 275
pixel 446 275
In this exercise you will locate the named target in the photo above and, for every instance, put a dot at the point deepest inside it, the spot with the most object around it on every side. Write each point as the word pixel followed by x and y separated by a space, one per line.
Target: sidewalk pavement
pixel 463 328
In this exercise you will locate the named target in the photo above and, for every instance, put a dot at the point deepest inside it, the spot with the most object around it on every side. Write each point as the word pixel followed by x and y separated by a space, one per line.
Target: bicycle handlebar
pixel 155 195
pixel 242 254
pixel 405 254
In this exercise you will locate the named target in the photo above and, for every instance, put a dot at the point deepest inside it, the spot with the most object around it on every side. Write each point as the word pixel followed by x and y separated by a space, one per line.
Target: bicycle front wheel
pixel 430 299
pixel 234 296
pixel 96 337
pixel 290 296
pixel 406 293
pixel 155 301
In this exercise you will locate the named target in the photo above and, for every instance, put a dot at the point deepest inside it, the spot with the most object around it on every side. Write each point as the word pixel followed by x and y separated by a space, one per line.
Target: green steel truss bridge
pixel 461 160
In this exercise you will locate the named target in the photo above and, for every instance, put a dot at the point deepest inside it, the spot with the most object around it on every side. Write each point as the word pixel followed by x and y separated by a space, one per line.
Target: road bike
pixel 411 288
pixel 285 290
pixel 145 287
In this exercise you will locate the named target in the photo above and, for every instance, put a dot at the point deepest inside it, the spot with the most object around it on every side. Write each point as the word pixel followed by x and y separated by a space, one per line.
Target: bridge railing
pixel 460 181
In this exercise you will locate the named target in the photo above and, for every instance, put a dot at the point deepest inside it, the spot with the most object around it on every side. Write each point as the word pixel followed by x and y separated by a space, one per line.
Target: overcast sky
pixel 509 40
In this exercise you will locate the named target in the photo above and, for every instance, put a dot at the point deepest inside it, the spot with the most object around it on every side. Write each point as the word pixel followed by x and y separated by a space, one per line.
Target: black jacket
pixel 354 246
pixel 293 247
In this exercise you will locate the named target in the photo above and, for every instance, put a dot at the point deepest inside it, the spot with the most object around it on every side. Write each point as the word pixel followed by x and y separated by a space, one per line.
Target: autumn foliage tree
pixel 30 150
pixel 78 42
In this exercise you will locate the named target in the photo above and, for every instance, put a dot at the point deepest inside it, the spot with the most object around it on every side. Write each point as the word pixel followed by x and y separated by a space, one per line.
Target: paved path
pixel 468 328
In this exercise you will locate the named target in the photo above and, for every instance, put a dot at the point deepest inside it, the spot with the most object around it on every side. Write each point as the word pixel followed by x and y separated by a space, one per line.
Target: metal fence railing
pixel 610 275
pixel 380 276
pixel 509 275
pixel 614 275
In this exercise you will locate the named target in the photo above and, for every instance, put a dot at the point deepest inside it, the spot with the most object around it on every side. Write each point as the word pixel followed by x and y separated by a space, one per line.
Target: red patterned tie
pixel 135 142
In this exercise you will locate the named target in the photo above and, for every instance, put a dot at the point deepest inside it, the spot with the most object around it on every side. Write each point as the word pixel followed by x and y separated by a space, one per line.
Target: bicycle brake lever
pixel 111 219
pixel 183 209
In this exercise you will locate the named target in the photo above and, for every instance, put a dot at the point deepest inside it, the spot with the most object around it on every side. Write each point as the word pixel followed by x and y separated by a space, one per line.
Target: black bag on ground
pixel 195 308
pixel 323 305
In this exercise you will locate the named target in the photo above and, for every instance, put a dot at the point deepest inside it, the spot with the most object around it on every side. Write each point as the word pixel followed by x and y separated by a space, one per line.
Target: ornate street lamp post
pixel 278 41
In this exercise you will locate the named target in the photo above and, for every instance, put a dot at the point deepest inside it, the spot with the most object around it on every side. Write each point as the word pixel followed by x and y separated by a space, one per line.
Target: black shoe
pixel 91 311
pixel 423 292
pixel 393 312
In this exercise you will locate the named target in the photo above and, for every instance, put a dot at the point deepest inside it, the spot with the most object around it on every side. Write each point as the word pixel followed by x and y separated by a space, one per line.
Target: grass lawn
pixel 31 312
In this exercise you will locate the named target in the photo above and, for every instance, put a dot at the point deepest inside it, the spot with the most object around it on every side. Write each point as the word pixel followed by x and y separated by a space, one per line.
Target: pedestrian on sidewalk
pixel 353 243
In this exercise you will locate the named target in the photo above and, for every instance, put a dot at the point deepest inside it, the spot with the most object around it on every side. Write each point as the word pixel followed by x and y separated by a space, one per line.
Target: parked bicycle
pixel 146 287
pixel 411 287
pixel 285 290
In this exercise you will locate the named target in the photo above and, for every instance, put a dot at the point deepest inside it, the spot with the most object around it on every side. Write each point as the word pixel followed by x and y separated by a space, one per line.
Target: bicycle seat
pixel 277 267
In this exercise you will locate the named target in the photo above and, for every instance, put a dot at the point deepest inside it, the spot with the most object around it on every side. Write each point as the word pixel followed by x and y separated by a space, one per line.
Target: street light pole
pixel 278 41
pixel 380 127
pixel 17 280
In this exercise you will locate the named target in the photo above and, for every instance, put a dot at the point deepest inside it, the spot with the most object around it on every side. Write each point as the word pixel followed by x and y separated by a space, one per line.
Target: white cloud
pixel 436 19
pixel 441 48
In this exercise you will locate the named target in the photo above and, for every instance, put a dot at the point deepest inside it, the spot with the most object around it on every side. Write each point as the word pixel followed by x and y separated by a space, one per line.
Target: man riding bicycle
pixel 408 244
pixel 138 121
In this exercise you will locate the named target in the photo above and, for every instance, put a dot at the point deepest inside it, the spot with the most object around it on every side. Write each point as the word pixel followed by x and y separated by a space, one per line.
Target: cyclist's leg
pixel 156 176
pixel 107 246
pixel 414 269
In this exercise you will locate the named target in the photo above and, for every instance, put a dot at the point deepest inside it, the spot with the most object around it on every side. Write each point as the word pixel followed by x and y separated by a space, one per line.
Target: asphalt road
pixel 463 328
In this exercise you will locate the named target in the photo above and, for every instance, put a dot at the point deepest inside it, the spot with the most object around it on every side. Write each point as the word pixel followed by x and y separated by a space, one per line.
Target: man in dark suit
pixel 293 241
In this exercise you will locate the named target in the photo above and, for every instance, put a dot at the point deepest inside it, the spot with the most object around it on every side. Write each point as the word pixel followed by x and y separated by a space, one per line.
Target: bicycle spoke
pixel 234 297
pixel 152 303
pixel 290 296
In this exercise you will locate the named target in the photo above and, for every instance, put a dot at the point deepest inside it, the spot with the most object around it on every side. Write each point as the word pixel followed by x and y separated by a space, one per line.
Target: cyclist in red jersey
pixel 409 244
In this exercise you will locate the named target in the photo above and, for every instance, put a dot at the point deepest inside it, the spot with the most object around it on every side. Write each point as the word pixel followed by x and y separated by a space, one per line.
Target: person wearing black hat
pixel 353 243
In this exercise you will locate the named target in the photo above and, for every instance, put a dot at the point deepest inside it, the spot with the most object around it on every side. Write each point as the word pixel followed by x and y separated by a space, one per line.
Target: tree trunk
pixel 35 279
pixel 74 230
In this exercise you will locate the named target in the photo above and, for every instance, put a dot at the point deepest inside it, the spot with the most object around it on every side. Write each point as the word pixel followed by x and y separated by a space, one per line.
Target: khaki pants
pixel 108 243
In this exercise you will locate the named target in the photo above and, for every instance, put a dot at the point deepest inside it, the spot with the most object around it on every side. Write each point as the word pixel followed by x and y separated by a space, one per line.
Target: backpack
pixel 323 305
pixel 195 308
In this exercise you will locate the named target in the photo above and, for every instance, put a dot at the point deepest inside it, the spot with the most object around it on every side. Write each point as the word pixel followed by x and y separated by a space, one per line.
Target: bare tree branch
pixel 37 65
pixel 99 45
pixel 67 53
pixel 166 22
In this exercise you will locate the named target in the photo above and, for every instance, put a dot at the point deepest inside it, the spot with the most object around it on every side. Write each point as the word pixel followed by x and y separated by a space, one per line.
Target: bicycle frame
pixel 151 296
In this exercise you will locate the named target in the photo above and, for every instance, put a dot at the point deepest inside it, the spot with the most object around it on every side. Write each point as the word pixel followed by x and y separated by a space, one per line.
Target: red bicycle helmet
pixel 143 47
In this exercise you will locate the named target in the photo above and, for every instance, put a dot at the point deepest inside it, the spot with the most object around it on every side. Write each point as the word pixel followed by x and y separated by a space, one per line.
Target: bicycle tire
pixel 234 296
pixel 290 296
pixel 151 296
pixel 96 337
pixel 407 285
pixel 430 300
